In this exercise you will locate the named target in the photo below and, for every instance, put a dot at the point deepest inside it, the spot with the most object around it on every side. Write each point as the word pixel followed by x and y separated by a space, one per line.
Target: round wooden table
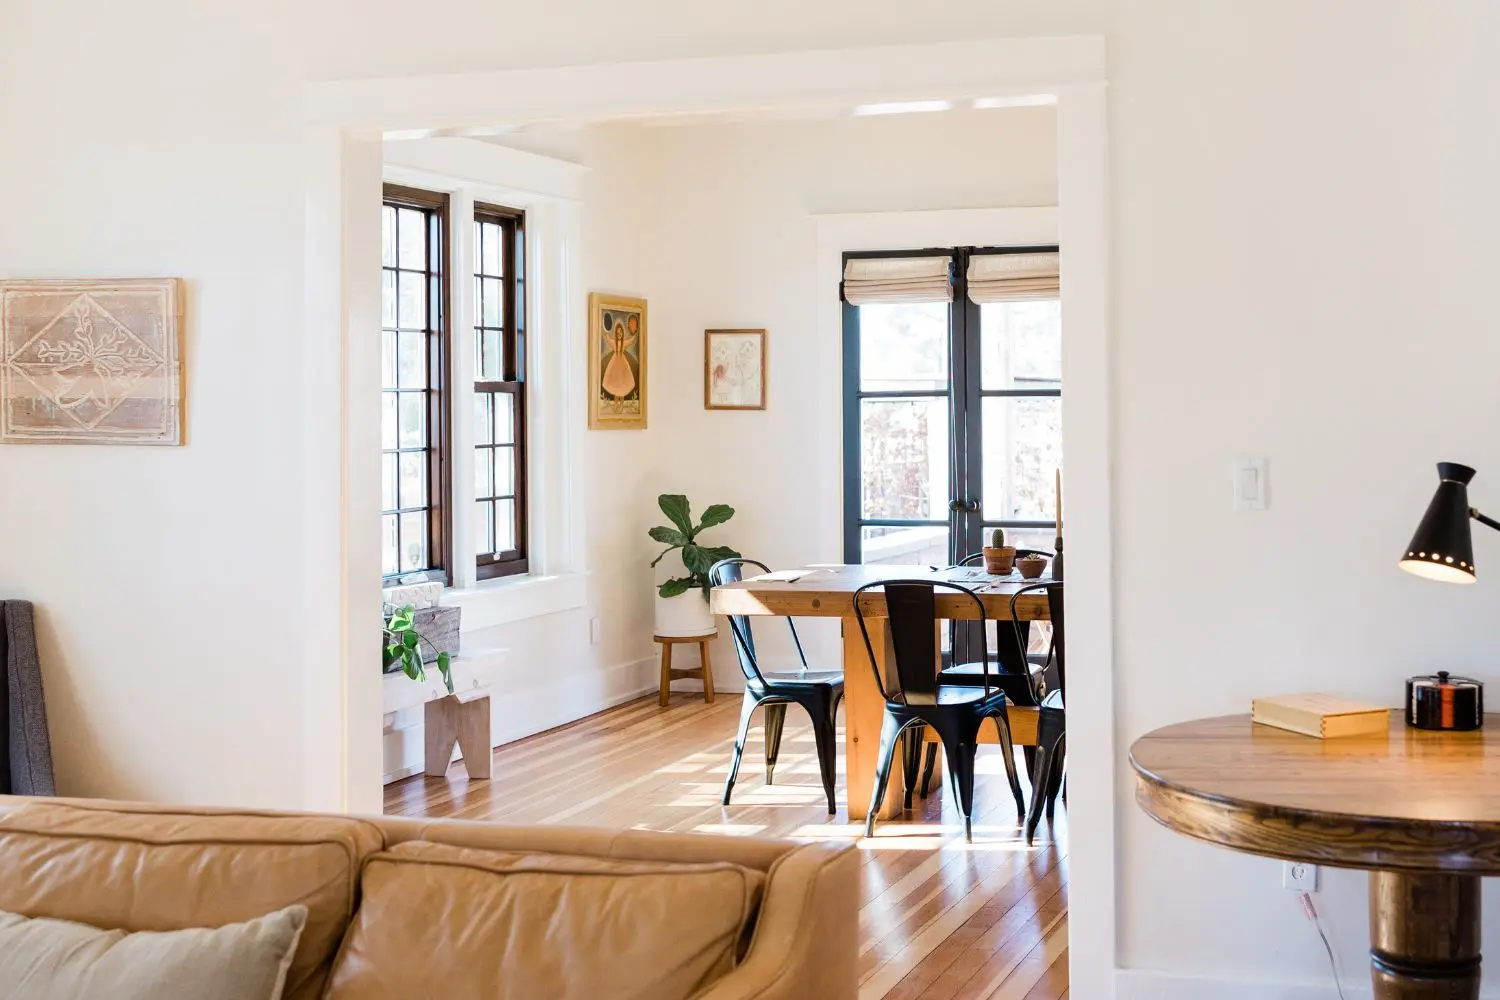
pixel 1420 810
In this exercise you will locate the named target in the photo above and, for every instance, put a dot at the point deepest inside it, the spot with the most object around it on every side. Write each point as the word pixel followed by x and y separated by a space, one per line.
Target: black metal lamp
pixel 1443 547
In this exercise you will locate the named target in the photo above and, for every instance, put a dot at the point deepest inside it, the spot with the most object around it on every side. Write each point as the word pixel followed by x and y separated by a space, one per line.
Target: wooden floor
pixel 939 919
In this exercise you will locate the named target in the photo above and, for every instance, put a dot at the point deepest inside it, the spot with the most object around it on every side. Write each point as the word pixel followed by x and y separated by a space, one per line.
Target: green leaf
pixel 716 514
pixel 403 619
pixel 410 640
pixel 696 558
pixel 664 555
pixel 677 586
pixel 717 552
pixel 445 667
pixel 675 506
pixel 668 536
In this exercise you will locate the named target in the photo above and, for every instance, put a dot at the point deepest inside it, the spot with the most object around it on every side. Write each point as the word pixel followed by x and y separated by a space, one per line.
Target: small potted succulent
pixel 999 558
pixel 1031 566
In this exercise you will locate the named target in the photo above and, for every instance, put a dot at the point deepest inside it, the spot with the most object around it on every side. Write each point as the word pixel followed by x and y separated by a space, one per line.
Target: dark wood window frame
pixel 439 438
pixel 512 561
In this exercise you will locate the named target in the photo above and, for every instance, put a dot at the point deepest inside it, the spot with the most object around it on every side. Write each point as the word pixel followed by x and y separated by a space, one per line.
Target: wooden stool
pixel 448 721
pixel 670 674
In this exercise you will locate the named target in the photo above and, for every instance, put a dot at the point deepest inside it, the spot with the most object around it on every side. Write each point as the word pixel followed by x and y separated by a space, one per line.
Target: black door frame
pixel 966 522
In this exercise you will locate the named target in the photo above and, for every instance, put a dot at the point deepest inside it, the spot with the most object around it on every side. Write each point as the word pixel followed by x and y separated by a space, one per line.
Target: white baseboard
pixel 518 713
pixel 1146 984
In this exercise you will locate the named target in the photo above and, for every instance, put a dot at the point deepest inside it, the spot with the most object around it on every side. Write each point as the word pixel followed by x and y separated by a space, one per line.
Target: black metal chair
pixel 1013 664
pixel 817 691
pixel 918 700
pixel 1052 736
pixel 1014 667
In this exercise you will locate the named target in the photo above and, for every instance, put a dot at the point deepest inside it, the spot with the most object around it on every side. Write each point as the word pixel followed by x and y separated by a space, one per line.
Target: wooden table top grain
pixel 1404 800
pixel 828 592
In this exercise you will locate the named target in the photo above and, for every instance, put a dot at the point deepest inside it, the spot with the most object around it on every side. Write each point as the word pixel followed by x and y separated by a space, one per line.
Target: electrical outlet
pixel 595 631
pixel 1299 876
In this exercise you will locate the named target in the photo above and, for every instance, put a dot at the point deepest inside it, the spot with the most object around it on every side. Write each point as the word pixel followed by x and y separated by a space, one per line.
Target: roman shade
pixel 898 279
pixel 1013 277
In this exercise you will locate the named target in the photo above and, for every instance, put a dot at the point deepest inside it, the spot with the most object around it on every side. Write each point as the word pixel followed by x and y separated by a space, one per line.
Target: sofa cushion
pixel 507 926
pixel 150 870
pixel 46 959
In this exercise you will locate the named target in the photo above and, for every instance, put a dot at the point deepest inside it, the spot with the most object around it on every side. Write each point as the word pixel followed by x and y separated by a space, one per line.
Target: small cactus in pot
pixel 999 558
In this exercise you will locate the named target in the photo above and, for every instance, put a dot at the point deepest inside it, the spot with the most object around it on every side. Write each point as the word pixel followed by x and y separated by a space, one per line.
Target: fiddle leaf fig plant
pixel 403 647
pixel 682 536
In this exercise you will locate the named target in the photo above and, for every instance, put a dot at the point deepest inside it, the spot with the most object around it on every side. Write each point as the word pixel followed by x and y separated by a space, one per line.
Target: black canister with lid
pixel 1444 702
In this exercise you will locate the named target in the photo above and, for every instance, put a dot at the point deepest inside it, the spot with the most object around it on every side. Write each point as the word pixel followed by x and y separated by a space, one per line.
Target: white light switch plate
pixel 1249 483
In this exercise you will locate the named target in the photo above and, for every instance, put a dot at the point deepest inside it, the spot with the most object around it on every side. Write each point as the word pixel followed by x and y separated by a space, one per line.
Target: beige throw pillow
pixel 45 959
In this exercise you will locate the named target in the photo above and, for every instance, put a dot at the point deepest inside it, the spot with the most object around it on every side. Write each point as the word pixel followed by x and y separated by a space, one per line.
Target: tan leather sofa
pixel 441 908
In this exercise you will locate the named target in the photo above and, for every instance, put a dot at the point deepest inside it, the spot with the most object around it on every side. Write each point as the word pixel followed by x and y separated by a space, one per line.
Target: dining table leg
pixel 864 711
pixel 1424 936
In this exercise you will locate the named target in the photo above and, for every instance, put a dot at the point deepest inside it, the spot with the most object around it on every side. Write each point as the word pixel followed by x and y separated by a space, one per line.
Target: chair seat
pixel 955 695
pixel 802 677
pixel 976 671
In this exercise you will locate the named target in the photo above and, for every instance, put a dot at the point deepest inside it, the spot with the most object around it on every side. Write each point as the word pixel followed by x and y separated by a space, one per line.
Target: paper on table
pixel 784 576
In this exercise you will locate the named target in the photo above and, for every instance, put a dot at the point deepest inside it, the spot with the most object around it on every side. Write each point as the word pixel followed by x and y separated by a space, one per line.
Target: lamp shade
pixel 1443 547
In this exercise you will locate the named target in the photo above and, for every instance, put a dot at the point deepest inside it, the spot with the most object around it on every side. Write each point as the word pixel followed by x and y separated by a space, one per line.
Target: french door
pixel 952 419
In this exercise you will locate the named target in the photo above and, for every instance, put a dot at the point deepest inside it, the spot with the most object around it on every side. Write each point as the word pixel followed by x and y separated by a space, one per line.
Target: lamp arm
pixel 1487 521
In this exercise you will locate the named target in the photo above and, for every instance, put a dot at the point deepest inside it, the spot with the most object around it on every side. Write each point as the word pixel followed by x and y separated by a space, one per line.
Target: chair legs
pixel 1050 733
pixel 911 759
pixel 959 748
pixel 824 713
pixel 775 720
pixel 1008 753
pixel 928 767
pixel 890 734
pixel 826 735
pixel 747 709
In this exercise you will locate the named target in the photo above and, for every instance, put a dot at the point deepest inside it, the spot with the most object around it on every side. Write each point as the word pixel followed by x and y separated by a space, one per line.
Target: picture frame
pixel 734 369
pixel 618 332
pixel 91 361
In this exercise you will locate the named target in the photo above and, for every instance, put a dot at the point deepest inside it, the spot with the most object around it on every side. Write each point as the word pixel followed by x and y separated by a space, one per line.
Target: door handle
pixel 963 505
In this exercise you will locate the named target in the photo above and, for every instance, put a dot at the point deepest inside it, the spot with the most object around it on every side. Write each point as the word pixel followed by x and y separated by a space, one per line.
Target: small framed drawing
pixel 91 361
pixel 734 369
pixel 617 362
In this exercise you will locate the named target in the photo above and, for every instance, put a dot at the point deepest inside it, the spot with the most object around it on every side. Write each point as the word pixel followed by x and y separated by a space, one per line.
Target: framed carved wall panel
pixel 91 361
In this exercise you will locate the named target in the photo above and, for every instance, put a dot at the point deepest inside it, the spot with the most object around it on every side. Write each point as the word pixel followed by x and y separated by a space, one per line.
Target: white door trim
pixel 346 121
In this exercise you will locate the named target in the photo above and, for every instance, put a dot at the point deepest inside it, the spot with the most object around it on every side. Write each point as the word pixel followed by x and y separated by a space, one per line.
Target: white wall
pixel 167 579
pixel 1305 232
pixel 738 247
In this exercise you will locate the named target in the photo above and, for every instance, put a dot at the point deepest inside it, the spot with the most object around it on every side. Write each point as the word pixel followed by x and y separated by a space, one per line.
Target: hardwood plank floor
pixel 939 920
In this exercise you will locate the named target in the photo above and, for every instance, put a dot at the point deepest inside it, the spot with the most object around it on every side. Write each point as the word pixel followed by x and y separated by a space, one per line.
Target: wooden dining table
pixel 828 592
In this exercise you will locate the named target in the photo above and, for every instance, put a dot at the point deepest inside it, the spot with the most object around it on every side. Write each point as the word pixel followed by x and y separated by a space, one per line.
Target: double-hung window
pixel 499 391
pixel 416 526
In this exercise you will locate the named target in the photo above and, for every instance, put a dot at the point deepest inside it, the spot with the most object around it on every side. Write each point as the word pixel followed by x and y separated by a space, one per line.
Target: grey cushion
pixel 45 959
pixel 26 754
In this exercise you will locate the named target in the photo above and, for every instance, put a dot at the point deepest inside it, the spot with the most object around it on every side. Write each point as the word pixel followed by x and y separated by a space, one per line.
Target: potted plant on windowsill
pixel 682 601
pixel 401 648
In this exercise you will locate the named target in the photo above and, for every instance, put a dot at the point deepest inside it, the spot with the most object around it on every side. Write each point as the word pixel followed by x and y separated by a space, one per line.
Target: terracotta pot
pixel 1031 567
pixel 999 562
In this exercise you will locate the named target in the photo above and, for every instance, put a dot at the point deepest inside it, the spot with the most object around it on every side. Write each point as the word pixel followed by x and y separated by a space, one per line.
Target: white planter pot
pixel 683 615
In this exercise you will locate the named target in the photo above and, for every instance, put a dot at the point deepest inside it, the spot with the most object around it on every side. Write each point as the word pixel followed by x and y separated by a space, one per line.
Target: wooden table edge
pixel 1317 836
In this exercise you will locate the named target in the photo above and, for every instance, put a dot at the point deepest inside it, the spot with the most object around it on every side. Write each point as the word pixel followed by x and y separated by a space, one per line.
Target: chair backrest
pixel 911 611
pixel 733 571
pixel 1056 653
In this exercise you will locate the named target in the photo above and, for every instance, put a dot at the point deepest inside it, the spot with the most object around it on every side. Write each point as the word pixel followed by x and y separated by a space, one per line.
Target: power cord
pixel 1317 922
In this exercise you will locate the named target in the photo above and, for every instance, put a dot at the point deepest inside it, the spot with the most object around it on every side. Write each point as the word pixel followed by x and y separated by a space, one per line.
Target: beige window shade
pixel 1009 277
pixel 897 279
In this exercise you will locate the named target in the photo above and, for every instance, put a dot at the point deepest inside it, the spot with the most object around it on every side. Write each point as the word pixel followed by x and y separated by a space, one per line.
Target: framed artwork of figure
pixel 617 362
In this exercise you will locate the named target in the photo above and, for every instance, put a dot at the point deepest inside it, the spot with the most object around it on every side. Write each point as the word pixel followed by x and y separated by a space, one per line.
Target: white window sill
pixel 500 602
